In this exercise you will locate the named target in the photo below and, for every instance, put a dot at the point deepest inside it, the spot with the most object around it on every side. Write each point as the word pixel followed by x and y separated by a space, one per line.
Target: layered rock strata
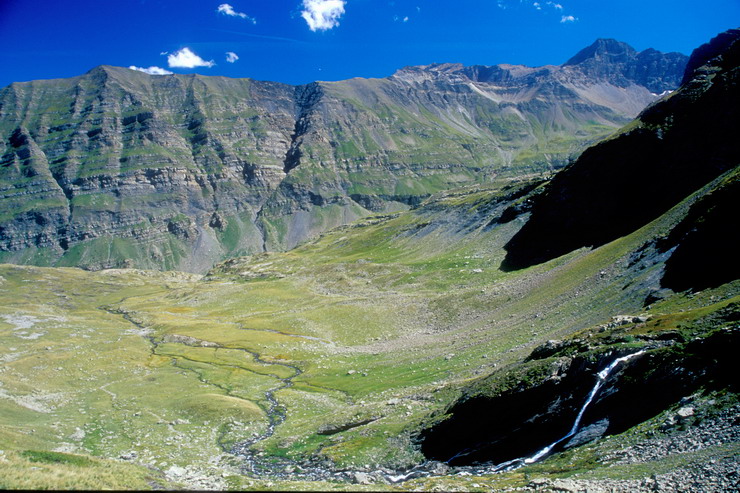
pixel 120 168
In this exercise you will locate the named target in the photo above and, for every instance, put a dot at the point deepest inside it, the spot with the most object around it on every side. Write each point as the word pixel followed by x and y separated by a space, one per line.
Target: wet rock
pixel 439 468
pixel 588 433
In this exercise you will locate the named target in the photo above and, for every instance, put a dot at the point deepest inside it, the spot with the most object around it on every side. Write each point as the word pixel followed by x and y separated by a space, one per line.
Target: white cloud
pixel 231 57
pixel 322 14
pixel 185 58
pixel 151 70
pixel 568 18
pixel 406 19
pixel 227 9
pixel 537 5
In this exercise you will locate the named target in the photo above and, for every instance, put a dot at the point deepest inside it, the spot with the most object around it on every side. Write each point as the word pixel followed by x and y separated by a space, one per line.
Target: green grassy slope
pixel 361 336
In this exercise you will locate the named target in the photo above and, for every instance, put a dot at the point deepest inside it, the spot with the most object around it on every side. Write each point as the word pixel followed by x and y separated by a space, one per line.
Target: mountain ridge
pixel 658 149
pixel 116 167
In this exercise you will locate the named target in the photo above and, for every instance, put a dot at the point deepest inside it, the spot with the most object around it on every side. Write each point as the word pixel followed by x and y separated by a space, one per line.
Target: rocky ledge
pixel 714 439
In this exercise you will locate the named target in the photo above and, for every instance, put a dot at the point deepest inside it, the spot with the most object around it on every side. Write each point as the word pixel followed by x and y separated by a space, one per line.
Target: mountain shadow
pixel 675 147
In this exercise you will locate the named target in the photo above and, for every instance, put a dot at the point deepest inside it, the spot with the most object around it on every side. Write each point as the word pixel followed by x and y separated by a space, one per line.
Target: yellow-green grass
pixel 36 470
pixel 361 336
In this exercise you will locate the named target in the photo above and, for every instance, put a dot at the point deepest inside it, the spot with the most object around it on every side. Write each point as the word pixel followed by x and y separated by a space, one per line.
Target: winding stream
pixel 259 466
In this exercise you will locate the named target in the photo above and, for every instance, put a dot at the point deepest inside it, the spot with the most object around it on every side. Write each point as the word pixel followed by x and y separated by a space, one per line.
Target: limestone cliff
pixel 120 168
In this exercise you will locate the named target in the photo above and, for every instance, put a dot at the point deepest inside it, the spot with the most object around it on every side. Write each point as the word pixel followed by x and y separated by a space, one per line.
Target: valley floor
pixel 318 368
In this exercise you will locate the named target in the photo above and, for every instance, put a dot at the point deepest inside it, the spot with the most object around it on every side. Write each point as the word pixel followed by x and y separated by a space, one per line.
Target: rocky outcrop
pixel 520 410
pixel 120 168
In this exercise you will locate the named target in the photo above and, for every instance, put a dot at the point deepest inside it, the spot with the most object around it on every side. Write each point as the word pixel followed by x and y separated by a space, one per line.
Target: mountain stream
pixel 311 470
pixel 258 466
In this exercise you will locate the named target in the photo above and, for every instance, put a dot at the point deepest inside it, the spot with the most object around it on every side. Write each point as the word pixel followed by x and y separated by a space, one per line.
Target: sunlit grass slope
pixel 360 336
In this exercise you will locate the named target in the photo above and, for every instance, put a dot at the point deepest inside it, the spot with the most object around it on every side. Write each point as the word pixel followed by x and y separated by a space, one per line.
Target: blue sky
pixel 298 41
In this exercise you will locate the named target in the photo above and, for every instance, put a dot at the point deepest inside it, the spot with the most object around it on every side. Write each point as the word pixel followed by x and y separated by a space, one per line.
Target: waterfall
pixel 601 378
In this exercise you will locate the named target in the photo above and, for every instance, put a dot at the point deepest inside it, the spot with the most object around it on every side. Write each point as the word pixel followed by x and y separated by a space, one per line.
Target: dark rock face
pixel 677 146
pixel 103 169
pixel 717 53
pixel 519 422
pixel 513 425
pixel 704 256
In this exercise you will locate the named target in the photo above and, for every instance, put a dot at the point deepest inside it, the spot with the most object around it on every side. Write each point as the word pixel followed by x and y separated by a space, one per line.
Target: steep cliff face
pixel 116 167
pixel 116 164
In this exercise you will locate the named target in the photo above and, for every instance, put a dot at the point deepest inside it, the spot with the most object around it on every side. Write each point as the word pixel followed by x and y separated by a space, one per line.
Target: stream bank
pixel 494 426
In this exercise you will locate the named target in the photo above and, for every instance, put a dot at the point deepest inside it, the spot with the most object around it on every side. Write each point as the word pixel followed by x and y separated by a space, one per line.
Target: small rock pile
pixel 720 471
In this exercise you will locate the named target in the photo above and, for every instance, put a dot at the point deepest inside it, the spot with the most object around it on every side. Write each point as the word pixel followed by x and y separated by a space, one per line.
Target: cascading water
pixel 601 378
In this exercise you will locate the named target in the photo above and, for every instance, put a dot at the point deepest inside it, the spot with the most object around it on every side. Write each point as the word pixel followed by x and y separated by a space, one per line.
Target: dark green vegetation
pixel 116 168
pixel 334 364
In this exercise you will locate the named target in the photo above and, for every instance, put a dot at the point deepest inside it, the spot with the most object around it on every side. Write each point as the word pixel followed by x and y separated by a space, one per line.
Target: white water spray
pixel 601 378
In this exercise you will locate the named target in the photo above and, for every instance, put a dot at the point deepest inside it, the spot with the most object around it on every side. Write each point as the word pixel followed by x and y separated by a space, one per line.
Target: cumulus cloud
pixel 151 70
pixel 321 15
pixel 537 5
pixel 568 18
pixel 555 5
pixel 231 57
pixel 185 58
pixel 227 9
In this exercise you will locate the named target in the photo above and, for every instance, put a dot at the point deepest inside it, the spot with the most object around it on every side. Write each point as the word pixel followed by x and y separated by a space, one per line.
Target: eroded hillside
pixel 117 168
pixel 402 351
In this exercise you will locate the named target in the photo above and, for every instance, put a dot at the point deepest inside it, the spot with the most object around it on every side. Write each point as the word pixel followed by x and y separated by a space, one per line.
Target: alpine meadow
pixel 454 278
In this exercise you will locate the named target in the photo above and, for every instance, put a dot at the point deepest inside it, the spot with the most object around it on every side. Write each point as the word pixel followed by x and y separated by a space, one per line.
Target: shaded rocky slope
pixel 527 407
pixel 116 167
pixel 675 147
pixel 676 353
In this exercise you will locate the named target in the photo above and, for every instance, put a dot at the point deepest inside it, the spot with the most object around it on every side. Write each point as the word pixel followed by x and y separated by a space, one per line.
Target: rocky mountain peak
pixel 622 65
pixel 607 60
pixel 604 51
